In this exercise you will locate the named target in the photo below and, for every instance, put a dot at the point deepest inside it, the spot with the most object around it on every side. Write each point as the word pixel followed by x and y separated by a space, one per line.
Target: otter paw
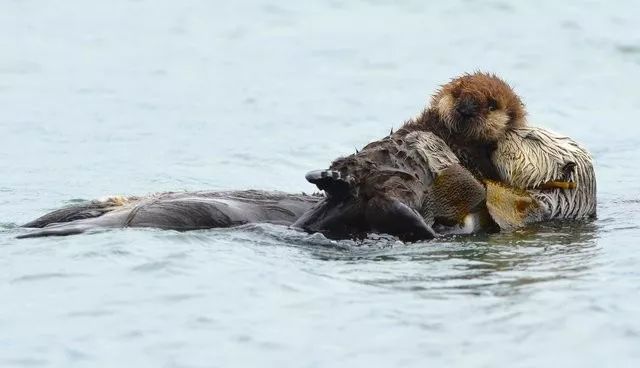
pixel 330 181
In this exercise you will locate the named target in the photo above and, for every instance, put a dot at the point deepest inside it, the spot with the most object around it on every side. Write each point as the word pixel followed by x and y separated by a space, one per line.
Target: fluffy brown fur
pixel 471 113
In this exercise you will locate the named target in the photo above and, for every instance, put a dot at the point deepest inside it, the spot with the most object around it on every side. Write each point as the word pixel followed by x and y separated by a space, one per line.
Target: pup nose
pixel 466 107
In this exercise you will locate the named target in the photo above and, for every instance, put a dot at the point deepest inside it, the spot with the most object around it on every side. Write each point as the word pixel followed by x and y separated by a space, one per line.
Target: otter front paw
pixel 331 181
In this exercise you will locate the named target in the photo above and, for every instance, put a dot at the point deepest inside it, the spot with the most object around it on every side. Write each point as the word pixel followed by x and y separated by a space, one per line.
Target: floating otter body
pixel 176 211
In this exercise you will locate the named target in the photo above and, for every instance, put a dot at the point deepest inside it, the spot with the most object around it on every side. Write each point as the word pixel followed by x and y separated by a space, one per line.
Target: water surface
pixel 134 97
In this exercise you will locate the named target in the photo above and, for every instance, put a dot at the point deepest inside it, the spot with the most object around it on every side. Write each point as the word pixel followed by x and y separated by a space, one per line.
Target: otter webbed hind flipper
pixel 334 218
pixel 396 218
pixel 62 229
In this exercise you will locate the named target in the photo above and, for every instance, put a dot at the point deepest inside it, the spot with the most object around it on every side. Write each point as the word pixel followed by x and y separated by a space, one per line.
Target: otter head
pixel 478 107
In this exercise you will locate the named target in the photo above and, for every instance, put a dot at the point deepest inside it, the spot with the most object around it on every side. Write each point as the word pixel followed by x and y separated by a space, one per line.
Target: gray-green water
pixel 133 97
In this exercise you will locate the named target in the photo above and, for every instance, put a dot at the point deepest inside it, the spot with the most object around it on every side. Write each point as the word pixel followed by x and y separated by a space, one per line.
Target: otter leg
pixel 62 229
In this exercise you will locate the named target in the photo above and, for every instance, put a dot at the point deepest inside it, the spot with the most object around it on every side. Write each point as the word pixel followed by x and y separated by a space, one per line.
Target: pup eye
pixel 493 104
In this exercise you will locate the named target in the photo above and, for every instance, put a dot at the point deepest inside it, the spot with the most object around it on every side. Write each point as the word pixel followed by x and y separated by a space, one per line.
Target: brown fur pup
pixel 471 114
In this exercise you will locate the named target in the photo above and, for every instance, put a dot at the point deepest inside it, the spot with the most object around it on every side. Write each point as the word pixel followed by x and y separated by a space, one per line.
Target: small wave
pixel 629 49
pixel 44 276
pixel 176 298
pixel 152 266
pixel 8 225
pixel 91 313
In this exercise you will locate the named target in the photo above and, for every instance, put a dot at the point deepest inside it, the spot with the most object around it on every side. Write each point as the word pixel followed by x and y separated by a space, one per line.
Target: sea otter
pixel 176 211
pixel 472 113
pixel 478 120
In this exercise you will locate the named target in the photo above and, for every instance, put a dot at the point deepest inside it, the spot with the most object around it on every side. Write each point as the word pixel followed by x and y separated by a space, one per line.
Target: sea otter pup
pixel 472 113
pixel 176 211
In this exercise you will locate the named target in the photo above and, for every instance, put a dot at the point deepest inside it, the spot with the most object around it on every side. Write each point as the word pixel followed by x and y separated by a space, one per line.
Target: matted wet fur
pixel 402 185
pixel 555 170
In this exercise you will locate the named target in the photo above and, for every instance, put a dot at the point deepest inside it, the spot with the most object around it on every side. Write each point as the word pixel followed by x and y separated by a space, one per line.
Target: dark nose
pixel 466 107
